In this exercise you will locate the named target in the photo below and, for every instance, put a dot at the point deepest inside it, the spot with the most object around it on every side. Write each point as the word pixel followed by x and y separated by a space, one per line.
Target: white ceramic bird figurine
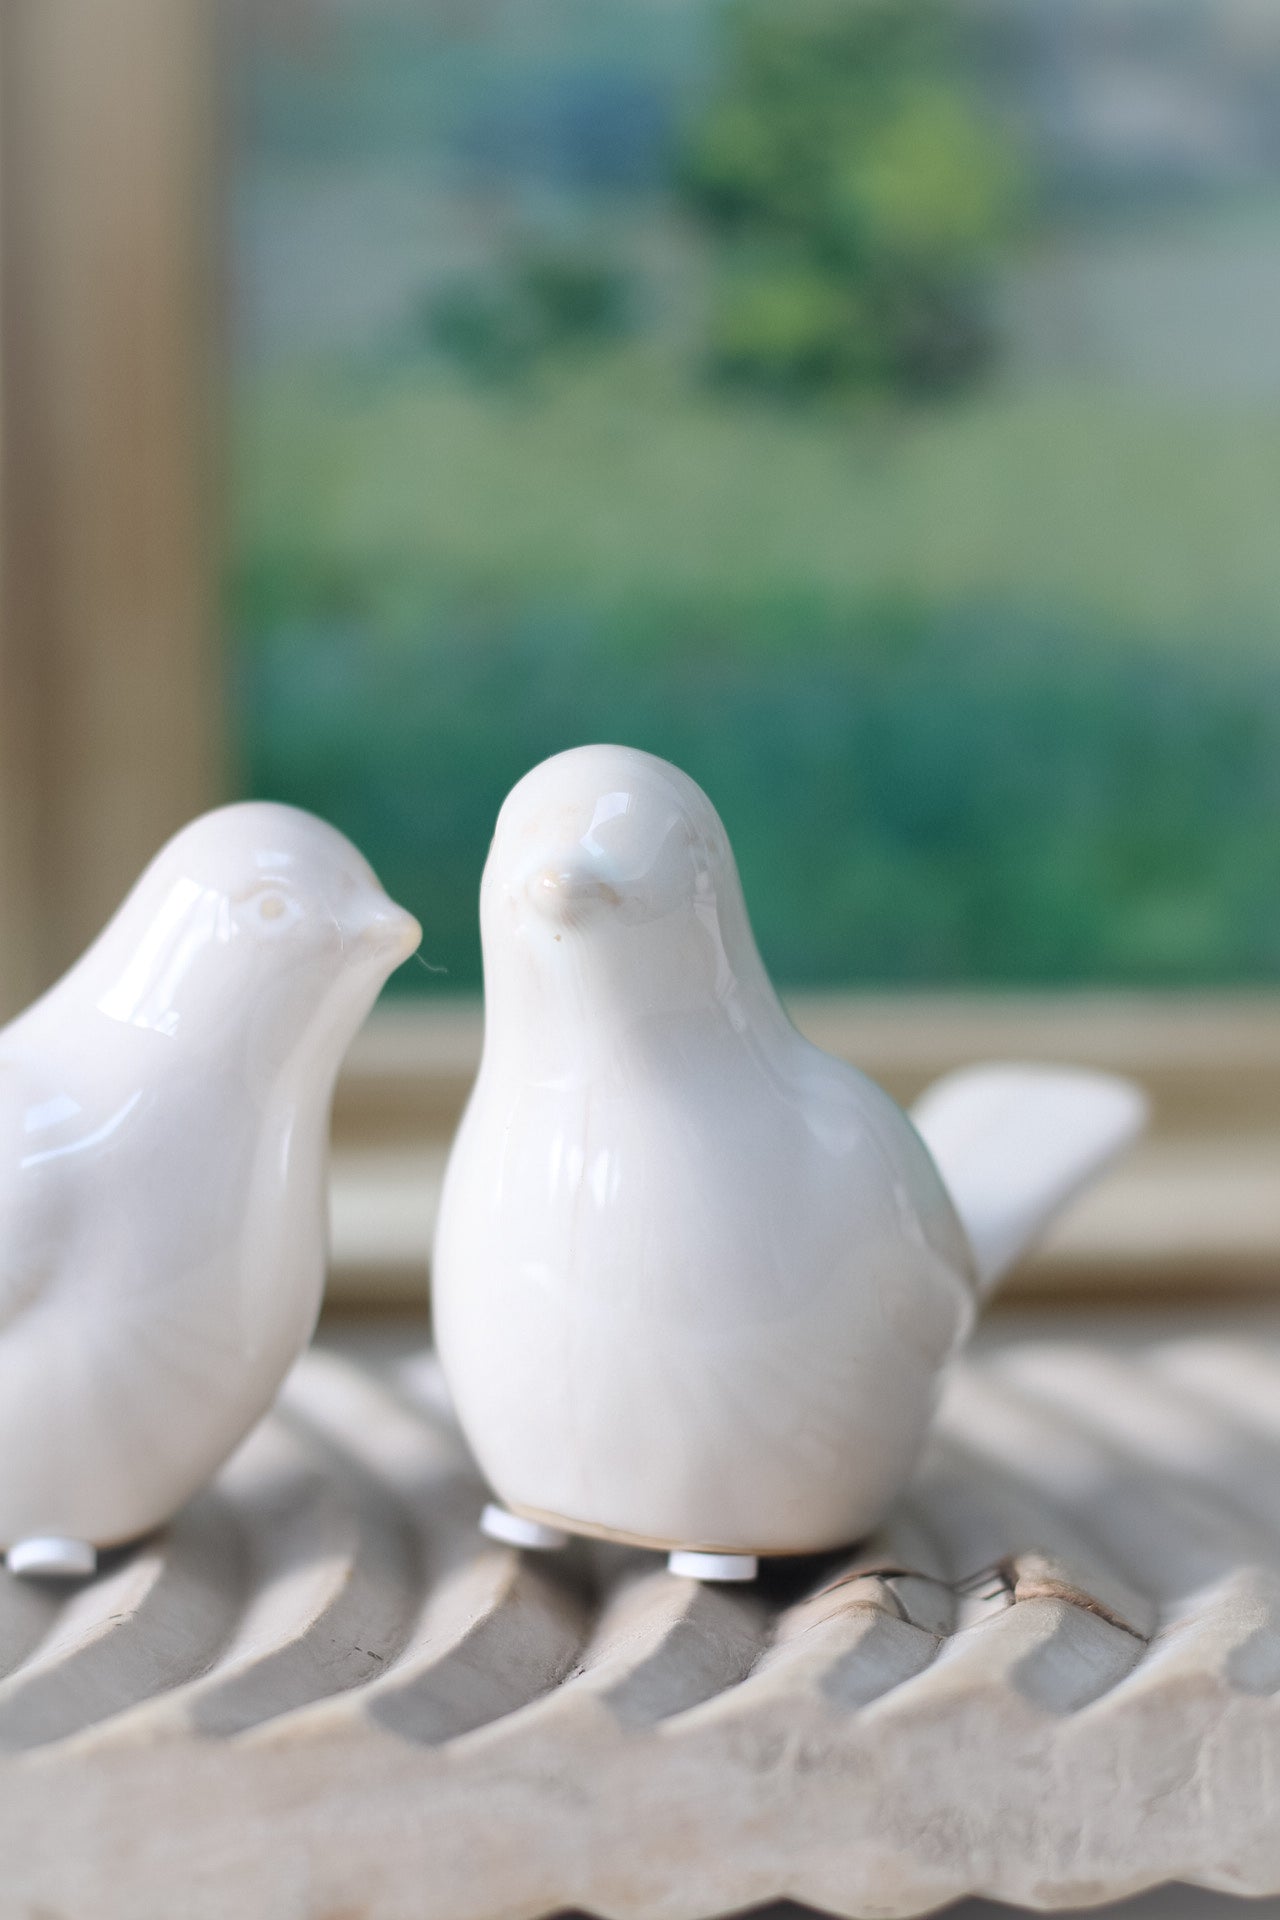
pixel 695 1280
pixel 164 1121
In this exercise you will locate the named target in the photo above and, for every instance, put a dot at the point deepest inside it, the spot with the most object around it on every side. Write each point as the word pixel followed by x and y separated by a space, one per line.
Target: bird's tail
pixel 1015 1143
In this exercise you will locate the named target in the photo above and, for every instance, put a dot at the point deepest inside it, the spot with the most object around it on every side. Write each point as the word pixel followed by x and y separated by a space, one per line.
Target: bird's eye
pixel 271 911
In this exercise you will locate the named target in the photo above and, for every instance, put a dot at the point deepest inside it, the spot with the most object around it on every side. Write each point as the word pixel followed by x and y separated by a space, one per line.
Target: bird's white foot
pixel 52 1556
pixel 515 1531
pixel 713 1566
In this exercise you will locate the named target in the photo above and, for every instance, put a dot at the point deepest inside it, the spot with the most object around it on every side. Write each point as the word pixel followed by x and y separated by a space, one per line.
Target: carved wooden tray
pixel 320 1695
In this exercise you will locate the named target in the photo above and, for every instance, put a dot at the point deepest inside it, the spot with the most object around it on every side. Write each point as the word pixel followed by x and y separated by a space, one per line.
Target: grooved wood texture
pixel 1053 1679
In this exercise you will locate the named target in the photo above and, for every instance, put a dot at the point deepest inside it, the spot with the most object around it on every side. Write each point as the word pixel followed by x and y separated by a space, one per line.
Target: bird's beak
pixel 565 890
pixel 389 934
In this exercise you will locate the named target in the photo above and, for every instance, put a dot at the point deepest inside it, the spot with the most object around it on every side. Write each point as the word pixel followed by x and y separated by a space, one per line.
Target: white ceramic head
pixel 257 919
pixel 164 1119
pixel 611 888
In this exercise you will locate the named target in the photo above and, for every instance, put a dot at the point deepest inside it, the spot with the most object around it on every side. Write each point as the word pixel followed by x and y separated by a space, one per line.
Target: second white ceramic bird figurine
pixel 164 1124
pixel 695 1281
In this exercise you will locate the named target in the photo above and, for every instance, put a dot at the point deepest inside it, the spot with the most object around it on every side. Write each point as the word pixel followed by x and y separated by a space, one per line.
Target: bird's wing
pixel 1014 1143
pixel 29 1210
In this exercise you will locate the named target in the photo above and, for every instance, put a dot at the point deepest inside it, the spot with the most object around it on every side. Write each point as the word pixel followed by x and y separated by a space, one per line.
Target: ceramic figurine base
pixel 1052 1678
pixel 52 1557
pixel 535 1536
pixel 513 1530
pixel 714 1568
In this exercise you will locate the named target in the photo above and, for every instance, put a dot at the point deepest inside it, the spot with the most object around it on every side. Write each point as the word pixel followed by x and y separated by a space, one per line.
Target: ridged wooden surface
pixel 1052 1680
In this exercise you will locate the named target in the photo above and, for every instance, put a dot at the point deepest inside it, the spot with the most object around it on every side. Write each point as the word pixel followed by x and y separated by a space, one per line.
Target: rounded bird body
pixel 695 1281
pixel 677 1298
pixel 163 1135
